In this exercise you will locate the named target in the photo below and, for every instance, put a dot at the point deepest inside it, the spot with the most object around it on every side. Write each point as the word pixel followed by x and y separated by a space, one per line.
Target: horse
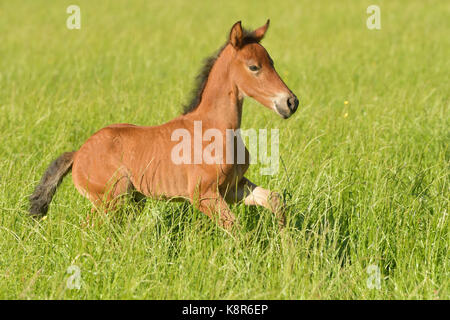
pixel 124 158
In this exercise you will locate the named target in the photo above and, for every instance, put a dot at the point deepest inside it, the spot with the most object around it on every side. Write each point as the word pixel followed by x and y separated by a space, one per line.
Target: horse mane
pixel 202 77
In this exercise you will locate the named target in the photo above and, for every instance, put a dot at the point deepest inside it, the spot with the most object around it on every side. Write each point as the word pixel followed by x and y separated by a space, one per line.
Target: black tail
pixel 43 194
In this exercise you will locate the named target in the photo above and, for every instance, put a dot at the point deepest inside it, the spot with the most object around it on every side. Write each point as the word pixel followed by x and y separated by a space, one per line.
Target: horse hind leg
pixel 104 194
pixel 107 201
pixel 114 193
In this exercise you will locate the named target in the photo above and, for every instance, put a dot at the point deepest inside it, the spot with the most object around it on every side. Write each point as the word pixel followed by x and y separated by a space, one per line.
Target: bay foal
pixel 121 158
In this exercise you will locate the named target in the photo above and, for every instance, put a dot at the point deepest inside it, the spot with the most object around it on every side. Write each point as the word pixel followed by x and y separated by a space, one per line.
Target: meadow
pixel 364 163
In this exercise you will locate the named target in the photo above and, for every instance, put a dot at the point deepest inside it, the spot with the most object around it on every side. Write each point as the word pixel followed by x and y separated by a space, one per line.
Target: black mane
pixel 202 77
pixel 200 81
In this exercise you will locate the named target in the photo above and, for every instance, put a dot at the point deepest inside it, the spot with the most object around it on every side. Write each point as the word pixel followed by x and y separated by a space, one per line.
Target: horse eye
pixel 253 68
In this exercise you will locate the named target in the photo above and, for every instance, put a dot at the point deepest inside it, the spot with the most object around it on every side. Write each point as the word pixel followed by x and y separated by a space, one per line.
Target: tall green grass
pixel 366 182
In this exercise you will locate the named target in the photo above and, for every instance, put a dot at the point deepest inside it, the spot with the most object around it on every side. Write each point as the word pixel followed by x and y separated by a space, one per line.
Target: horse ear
pixel 261 31
pixel 236 35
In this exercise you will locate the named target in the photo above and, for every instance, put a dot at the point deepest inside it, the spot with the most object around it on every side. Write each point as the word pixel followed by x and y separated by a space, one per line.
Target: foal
pixel 123 157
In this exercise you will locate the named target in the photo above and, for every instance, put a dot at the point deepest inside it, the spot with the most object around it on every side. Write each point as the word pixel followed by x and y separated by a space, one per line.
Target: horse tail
pixel 45 190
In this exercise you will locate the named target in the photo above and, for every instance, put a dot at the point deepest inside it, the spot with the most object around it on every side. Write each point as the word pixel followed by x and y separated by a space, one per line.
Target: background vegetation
pixel 365 159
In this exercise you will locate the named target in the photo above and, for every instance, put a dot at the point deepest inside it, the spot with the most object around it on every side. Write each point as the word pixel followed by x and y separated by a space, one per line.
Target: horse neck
pixel 221 102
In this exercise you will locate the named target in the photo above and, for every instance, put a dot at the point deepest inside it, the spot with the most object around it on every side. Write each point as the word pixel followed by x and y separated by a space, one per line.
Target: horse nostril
pixel 292 103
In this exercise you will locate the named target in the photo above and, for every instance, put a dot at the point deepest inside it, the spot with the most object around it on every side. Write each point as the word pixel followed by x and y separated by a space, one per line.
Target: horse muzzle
pixel 286 106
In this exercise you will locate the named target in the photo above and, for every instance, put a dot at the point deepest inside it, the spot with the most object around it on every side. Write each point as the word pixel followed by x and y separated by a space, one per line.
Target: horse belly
pixel 159 178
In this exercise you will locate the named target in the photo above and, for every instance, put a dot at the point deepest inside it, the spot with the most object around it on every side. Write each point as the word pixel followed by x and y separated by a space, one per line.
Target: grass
pixel 366 182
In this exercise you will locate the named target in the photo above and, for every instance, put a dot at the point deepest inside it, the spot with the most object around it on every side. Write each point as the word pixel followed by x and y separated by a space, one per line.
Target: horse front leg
pixel 252 194
pixel 215 207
